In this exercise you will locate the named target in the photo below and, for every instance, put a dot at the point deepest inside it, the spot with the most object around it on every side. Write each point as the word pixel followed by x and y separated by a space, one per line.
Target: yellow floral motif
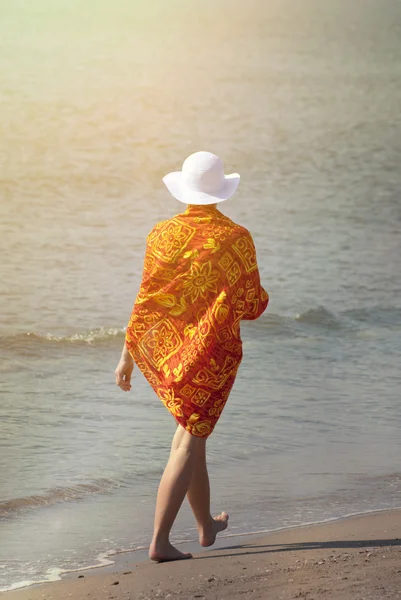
pixel 234 273
pixel 171 239
pixel 201 279
pixel 160 342
pixel 191 254
pixel 201 397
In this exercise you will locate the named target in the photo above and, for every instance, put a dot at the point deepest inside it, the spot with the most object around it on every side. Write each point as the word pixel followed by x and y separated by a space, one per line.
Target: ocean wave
pixel 382 316
pixel 57 495
pixel 320 316
pixel 300 325
pixel 275 324
pixel 347 320
pixel 97 336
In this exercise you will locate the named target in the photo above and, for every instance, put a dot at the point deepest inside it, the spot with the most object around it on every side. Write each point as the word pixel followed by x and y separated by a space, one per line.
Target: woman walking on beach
pixel 200 280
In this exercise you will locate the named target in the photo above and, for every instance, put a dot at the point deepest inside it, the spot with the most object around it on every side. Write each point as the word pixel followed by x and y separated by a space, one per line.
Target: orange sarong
pixel 200 279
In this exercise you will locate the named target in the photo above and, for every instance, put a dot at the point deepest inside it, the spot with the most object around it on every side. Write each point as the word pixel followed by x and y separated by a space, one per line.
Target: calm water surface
pixel 98 102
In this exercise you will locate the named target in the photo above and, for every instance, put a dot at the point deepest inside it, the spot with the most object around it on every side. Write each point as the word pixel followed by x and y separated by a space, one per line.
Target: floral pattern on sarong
pixel 200 280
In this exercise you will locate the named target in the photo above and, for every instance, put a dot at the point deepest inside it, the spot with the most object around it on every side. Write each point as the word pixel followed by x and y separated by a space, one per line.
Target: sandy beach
pixel 357 558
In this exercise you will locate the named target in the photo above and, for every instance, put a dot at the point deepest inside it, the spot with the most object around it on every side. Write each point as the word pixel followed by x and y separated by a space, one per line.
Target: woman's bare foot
pixel 207 537
pixel 166 552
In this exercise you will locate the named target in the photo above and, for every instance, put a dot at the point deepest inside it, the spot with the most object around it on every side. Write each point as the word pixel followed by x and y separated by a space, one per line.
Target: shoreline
pixel 373 531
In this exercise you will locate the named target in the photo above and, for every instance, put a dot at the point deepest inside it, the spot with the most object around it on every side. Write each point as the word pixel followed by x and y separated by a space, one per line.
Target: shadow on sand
pixel 248 549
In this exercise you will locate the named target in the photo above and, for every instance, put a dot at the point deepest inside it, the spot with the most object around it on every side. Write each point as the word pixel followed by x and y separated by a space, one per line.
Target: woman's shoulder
pixel 235 230
pixel 239 230
pixel 156 228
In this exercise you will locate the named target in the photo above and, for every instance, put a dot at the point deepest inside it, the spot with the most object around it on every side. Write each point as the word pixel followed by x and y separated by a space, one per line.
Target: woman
pixel 200 279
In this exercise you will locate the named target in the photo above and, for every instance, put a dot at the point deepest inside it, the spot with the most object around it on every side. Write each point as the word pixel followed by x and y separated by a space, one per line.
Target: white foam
pixel 102 559
pixel 54 574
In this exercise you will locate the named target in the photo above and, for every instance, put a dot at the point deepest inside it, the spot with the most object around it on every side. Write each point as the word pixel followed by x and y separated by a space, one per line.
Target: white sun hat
pixel 202 180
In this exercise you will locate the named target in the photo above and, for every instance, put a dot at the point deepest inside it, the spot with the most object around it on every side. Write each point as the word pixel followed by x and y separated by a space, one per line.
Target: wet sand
pixel 357 558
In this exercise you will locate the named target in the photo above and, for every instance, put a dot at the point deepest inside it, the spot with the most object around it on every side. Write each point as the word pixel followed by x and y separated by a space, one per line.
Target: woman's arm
pixel 257 305
pixel 124 370
pixel 256 298
pixel 125 367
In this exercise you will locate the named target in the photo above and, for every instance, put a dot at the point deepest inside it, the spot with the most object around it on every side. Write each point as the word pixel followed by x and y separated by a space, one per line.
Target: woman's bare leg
pixel 173 487
pixel 199 498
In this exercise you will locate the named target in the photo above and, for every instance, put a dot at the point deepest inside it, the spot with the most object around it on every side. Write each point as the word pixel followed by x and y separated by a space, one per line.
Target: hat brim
pixel 178 188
